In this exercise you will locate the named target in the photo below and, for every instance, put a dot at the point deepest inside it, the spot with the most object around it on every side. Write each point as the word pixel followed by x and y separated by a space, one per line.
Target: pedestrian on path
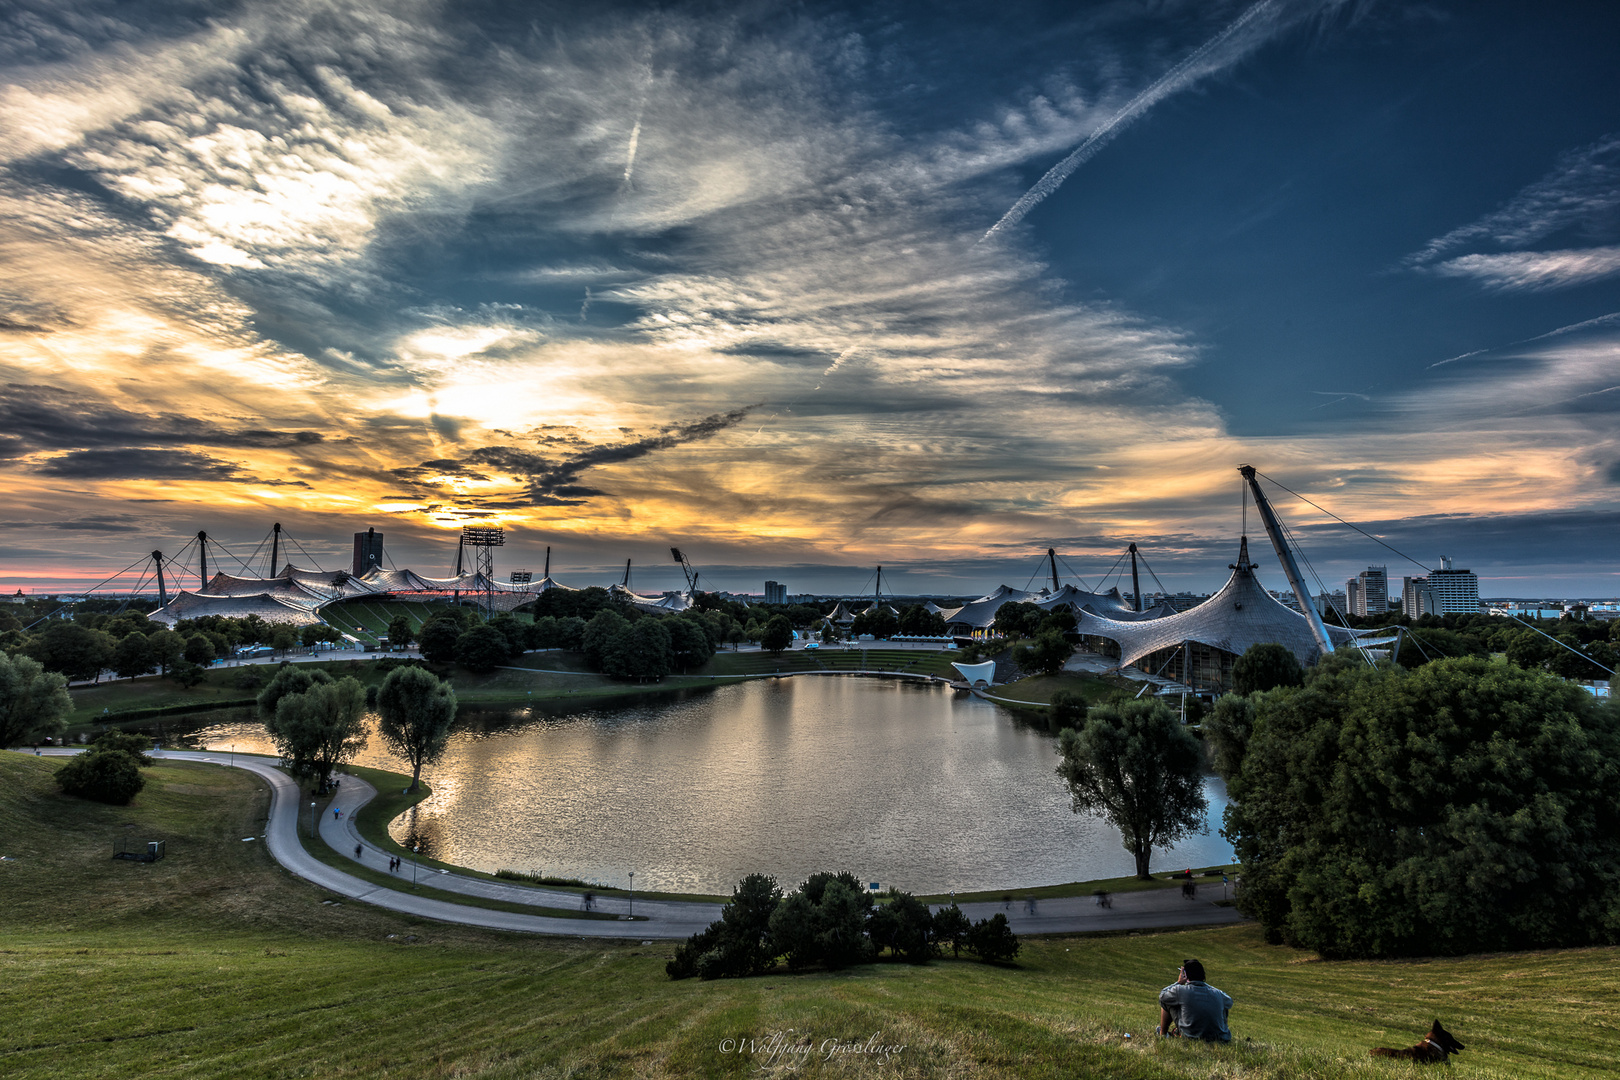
pixel 336 813
pixel 357 851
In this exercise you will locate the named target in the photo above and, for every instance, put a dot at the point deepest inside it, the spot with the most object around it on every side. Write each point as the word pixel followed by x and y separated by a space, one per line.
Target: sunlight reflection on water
pixel 904 784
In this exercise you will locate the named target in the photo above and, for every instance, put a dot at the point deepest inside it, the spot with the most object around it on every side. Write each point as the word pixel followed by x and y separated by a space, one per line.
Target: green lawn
pixel 214 963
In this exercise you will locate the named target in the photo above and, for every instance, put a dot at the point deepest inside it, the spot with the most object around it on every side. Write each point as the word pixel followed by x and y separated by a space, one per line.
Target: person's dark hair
pixel 1194 970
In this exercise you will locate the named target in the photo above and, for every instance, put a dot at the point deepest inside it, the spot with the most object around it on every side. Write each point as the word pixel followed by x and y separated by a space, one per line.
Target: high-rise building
pixel 1352 598
pixel 1456 592
pixel 1374 592
pixel 368 550
pixel 1417 598
pixel 775 592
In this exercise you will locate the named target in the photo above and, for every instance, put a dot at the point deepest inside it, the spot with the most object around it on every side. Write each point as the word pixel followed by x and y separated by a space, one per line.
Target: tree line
pixel 831 921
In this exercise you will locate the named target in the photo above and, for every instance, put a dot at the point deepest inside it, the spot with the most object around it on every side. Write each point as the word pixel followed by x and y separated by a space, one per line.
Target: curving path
pixel 667 919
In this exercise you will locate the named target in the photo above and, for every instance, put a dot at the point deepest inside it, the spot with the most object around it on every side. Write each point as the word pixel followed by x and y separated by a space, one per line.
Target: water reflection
pixel 904 784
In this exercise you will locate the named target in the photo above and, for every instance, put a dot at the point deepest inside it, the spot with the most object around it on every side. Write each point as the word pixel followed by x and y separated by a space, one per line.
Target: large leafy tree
pixel 1266 666
pixel 73 649
pixel 1134 765
pixel 777 634
pixel 417 710
pixel 482 649
pixel 320 728
pixel 289 679
pixel 437 639
pixel 1046 655
pixel 1465 806
pixel 133 656
pixel 34 703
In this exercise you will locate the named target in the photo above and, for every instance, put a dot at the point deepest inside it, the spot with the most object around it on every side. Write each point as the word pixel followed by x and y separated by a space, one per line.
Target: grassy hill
pixel 215 963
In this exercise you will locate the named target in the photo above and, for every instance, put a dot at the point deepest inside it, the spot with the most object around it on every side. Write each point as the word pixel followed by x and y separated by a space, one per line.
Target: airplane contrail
pixel 630 153
pixel 1171 81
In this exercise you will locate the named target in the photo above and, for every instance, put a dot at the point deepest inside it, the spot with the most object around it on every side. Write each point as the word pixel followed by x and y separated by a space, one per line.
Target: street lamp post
pixel 312 821
pixel 416 850
pixel 632 894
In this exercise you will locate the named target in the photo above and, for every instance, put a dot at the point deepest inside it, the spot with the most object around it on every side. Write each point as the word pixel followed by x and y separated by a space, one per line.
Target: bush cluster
pixel 104 774
pixel 830 922
pixel 1464 806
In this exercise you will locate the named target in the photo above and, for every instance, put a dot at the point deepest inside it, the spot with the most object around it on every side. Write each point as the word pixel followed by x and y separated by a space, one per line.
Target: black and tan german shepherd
pixel 1437 1046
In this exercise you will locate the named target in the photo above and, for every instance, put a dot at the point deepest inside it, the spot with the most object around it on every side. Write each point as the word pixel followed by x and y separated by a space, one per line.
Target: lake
pixel 906 784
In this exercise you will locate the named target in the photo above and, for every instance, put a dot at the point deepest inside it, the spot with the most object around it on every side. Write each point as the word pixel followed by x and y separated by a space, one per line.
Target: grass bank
pixel 214 963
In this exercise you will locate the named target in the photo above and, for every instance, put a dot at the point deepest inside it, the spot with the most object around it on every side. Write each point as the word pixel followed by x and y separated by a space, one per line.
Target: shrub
pixel 109 776
pixel 129 742
pixel 1266 666
pixel 481 649
pixel 739 943
pixel 993 940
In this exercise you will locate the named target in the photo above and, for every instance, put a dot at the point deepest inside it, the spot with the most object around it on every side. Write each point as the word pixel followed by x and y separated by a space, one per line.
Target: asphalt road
pixel 656 919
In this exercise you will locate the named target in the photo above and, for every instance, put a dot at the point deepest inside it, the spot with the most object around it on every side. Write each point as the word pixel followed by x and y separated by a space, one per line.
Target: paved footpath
pixel 668 919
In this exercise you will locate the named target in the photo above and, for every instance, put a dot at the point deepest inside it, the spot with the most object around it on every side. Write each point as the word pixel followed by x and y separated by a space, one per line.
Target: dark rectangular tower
pixel 367 552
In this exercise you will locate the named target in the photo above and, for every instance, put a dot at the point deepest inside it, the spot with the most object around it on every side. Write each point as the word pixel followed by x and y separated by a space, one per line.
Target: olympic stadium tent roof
pixel 1241 613
pixel 979 614
pixel 656 605
pixel 270 608
pixel 932 608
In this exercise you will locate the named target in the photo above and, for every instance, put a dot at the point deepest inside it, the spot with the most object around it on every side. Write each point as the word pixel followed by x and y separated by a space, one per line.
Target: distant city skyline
pixel 805 290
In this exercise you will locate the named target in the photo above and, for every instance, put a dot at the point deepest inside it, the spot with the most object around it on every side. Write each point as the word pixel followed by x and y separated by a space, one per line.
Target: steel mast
pixel 1268 518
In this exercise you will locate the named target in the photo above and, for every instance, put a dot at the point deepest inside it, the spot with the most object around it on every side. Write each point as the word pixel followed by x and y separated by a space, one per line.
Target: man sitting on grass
pixel 1193 1008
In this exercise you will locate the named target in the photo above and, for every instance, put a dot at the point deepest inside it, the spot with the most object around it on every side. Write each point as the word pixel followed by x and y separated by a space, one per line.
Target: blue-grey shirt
pixel 1199 1010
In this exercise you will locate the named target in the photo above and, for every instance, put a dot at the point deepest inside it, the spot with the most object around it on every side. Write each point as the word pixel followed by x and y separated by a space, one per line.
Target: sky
pixel 805 289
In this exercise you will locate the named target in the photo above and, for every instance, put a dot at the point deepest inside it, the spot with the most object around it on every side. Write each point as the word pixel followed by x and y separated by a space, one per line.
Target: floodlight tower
pixel 484 541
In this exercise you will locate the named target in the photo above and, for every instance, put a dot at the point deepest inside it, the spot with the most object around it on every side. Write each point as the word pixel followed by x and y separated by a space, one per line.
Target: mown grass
pixel 214 963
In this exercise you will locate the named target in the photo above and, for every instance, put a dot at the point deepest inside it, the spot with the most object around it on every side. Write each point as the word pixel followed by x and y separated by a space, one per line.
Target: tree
pixel 168 648
pixel 1134 765
pixel 603 628
pixel 1266 666
pixel 689 642
pixel 1465 806
pixel 109 776
pixel 283 639
pixel 400 631
pixel 73 649
pixel 321 728
pixel 823 922
pixel 880 622
pixel 437 639
pixel 136 746
pixel 777 635
pixel 1046 655
pixel 199 649
pixel 993 939
pixel 289 679
pixel 417 710
pixel 739 942
pixel 918 621
pixel 1226 734
pixel 951 927
pixel 1067 710
pixel 133 657
pixel 1018 618
pixel 905 927
pixel 34 703
pixel 513 631
pixel 482 649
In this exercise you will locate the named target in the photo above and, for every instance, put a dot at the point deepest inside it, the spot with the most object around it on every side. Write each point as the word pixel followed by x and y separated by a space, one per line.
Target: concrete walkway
pixel 664 919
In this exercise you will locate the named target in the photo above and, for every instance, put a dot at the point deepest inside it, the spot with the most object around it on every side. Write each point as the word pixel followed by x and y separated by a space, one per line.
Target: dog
pixel 1437 1046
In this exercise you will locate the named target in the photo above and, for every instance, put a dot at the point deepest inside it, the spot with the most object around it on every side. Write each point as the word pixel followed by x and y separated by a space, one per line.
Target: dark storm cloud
pixel 46 418
pixel 147 463
pixel 554 482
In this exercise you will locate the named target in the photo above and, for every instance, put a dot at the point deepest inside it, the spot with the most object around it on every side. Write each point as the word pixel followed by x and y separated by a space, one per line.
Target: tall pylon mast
pixel 275 546
pixel 202 559
pixel 163 592
pixel 1136 583
pixel 1051 557
pixel 1285 555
